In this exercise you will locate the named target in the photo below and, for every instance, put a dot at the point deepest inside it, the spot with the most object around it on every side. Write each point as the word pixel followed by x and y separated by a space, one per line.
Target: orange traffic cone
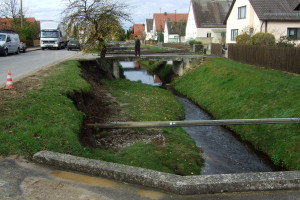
pixel 9 84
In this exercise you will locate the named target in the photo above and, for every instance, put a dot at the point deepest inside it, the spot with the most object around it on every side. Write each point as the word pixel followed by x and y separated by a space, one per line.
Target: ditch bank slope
pixel 231 90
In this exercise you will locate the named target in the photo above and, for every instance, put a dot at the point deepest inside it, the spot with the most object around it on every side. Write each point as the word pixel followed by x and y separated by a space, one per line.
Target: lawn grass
pixel 46 119
pixel 231 90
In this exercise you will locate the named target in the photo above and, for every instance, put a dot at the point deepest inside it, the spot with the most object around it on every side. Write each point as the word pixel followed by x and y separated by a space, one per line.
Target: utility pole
pixel 175 15
pixel 21 12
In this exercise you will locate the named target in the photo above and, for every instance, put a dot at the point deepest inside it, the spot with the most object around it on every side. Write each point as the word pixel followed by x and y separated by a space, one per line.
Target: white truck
pixel 52 35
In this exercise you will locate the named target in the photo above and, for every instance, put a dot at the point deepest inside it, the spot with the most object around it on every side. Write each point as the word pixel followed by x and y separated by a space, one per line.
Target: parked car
pixel 9 43
pixel 73 44
pixel 23 47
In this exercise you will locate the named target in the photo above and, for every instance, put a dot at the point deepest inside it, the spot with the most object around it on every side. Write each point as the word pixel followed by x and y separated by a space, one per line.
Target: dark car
pixel 73 44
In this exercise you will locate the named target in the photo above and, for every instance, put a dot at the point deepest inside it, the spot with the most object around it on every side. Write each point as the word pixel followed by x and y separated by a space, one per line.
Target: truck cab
pixel 52 35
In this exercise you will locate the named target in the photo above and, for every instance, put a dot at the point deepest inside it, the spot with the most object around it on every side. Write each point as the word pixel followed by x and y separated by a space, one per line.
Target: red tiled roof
pixel 30 19
pixel 138 29
pixel 161 18
pixel 5 23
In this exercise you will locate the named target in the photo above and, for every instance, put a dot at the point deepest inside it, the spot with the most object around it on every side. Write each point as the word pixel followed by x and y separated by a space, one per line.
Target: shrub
pixel 260 38
pixel 243 39
pixel 285 41
pixel 191 42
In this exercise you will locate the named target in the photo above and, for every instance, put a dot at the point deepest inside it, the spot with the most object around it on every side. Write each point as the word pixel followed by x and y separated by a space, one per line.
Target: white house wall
pixel 148 34
pixel 154 30
pixel 242 25
pixel 191 28
pixel 166 34
pixel 279 29
pixel 215 33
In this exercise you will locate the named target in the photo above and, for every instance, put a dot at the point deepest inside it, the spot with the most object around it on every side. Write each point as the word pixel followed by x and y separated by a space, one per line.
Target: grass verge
pixel 46 119
pixel 231 90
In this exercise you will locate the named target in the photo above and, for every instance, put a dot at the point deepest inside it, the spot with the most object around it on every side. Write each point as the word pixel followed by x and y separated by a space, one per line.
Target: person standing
pixel 137 46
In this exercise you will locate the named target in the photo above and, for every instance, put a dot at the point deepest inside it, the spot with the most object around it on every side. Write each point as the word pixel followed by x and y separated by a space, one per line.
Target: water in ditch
pixel 222 151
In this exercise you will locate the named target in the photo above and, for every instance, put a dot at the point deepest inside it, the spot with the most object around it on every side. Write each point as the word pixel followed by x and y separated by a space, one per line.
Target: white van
pixel 9 43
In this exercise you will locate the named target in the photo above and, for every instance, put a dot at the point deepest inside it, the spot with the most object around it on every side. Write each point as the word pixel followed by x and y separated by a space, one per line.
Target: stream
pixel 222 151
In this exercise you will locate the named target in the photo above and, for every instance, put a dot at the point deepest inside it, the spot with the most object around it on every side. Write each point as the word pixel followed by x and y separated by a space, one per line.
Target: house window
pixel 208 35
pixel 234 34
pixel 294 33
pixel 242 12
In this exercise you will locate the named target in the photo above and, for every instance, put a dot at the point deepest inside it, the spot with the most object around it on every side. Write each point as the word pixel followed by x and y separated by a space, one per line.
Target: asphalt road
pixel 25 63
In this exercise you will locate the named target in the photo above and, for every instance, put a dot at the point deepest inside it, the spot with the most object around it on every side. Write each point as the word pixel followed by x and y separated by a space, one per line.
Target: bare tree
pixel 97 21
pixel 10 9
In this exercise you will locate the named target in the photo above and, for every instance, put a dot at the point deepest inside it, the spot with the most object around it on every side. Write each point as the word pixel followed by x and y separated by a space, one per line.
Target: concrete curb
pixel 33 49
pixel 184 185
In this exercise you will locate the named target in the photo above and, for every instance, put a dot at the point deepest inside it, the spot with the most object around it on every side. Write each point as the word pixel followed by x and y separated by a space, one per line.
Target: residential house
pixel 174 32
pixel 206 20
pixel 159 20
pixel 6 23
pixel 149 29
pixel 278 17
pixel 138 29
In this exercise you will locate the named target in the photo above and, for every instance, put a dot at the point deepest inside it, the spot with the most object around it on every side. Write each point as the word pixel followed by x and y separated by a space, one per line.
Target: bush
pixel 266 39
pixel 244 39
pixel 285 41
pixel 26 33
pixel 191 42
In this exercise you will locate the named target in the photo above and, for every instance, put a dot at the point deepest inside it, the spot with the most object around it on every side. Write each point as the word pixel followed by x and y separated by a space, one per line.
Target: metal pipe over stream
pixel 155 124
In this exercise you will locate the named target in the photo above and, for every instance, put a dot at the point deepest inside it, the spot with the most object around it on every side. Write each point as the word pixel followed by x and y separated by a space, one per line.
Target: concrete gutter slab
pixel 184 185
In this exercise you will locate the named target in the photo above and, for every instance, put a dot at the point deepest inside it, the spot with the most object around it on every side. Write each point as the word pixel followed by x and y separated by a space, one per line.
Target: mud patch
pixel 101 107
pixel 88 180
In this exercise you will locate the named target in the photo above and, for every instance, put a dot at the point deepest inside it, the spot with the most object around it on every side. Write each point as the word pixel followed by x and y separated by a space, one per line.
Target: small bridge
pixel 180 62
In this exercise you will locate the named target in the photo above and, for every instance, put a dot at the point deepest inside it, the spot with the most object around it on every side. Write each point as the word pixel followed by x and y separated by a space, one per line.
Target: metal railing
pixel 154 124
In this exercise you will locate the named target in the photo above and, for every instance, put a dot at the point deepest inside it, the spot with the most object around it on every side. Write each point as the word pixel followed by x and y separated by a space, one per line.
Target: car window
pixel 2 37
pixel 8 39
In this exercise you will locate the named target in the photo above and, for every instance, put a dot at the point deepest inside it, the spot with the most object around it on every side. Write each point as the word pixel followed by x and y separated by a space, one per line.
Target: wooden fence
pixel 216 49
pixel 279 58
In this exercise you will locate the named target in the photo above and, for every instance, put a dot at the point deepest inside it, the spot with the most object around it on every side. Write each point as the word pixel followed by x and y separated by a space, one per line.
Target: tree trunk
pixel 102 48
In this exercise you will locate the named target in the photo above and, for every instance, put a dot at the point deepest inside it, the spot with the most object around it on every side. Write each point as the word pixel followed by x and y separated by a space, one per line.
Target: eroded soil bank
pixel 100 107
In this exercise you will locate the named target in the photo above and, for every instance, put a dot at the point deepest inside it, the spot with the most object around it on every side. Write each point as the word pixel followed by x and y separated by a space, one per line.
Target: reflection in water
pixel 133 72
pixel 223 153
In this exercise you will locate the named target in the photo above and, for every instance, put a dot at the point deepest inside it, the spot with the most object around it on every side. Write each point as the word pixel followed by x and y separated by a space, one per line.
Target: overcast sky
pixel 140 9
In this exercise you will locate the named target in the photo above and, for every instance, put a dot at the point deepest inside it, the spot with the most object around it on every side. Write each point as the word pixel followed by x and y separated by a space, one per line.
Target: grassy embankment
pixel 231 90
pixel 46 118
pixel 155 67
